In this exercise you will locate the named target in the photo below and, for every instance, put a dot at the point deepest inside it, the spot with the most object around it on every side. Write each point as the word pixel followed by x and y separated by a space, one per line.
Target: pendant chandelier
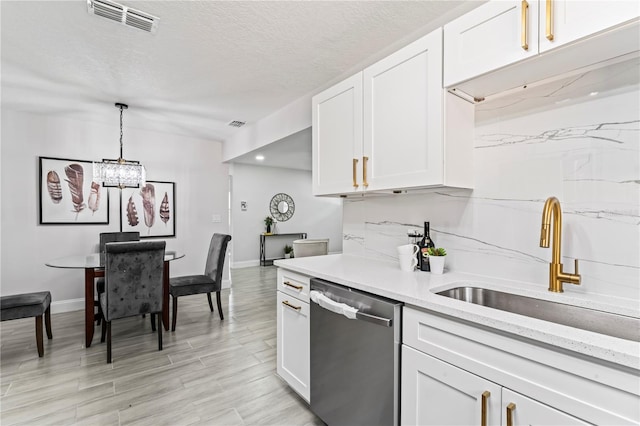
pixel 119 173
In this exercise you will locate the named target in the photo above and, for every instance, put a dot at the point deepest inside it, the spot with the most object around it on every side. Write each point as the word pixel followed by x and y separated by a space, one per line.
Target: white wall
pixel 587 155
pixel 318 217
pixel 287 121
pixel 195 165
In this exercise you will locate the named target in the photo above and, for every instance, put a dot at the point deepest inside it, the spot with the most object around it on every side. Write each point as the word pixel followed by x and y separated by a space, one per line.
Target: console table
pixel 265 237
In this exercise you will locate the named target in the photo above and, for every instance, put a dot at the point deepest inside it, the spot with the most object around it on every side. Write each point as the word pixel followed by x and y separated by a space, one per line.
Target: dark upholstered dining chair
pixel 110 237
pixel 133 284
pixel 209 282
pixel 115 237
pixel 29 305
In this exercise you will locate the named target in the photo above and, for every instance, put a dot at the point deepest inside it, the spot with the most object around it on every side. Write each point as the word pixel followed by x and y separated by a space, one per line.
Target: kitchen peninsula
pixel 570 371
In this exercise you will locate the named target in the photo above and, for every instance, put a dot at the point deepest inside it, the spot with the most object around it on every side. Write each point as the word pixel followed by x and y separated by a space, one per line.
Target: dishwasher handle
pixel 348 311
pixel 374 319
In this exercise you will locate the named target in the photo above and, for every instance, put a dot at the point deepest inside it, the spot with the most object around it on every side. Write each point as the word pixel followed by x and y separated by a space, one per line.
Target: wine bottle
pixel 424 245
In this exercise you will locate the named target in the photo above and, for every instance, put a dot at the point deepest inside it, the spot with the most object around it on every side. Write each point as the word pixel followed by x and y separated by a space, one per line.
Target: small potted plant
pixel 288 251
pixel 268 221
pixel 436 259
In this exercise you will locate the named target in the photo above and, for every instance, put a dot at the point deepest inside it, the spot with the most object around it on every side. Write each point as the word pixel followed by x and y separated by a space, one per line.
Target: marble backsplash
pixel 587 154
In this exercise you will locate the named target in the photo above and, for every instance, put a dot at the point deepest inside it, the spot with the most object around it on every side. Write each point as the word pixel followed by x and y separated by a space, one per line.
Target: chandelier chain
pixel 121 156
pixel 119 173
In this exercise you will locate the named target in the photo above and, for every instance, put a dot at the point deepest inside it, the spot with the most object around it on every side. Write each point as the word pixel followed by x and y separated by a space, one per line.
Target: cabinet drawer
pixel 293 284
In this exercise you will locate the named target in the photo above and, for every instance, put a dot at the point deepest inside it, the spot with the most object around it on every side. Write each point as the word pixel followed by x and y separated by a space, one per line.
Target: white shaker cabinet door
pixel 436 393
pixel 403 117
pixel 494 35
pixel 293 353
pixel 564 21
pixel 518 410
pixel 337 138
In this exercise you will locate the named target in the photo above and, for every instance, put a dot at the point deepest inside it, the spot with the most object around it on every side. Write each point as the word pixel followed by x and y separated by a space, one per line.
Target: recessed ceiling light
pixel 563 101
pixel 259 157
pixel 593 93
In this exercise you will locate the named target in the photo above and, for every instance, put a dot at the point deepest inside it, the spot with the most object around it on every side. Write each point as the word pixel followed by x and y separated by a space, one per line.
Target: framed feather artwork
pixel 68 195
pixel 150 209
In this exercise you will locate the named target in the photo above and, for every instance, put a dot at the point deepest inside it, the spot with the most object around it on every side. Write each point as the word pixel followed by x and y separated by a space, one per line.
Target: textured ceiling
pixel 210 62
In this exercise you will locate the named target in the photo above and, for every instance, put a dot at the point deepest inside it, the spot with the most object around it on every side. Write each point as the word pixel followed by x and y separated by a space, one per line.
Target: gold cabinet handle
pixel 286 303
pixel 523 36
pixel 510 409
pixel 485 397
pixel 297 287
pixel 549 20
pixel 364 171
pixel 355 174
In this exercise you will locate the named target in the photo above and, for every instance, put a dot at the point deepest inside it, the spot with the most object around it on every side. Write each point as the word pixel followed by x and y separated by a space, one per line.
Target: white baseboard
pixel 245 264
pixel 250 263
pixel 71 305
pixel 67 305
pixel 78 304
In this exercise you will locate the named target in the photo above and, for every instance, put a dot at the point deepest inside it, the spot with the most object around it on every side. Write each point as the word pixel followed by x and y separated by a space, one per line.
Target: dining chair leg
pixel 108 342
pixel 210 303
pixel 219 305
pixel 175 313
pixel 47 322
pixel 39 335
pixel 159 330
pixel 104 330
pixel 153 322
pixel 98 316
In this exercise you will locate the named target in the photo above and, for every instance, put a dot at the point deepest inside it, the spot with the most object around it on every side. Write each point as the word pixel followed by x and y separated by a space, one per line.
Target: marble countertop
pixel 418 289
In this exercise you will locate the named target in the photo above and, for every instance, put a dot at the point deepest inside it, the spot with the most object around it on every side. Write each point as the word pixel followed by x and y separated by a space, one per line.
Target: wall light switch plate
pixel 243 206
pixel 215 218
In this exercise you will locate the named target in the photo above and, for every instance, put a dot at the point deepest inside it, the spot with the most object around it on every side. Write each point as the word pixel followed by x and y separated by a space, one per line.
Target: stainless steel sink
pixel 615 325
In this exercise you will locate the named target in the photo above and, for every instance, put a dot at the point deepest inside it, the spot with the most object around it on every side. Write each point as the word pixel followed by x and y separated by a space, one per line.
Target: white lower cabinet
pixel 293 356
pixel 519 410
pixel 448 365
pixel 437 393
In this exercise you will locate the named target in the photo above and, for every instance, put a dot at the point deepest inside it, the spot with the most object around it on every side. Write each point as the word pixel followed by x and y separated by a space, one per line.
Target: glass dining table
pixel 93 269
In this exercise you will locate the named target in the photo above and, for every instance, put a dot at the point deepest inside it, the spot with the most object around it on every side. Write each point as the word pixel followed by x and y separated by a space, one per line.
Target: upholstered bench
pixel 29 305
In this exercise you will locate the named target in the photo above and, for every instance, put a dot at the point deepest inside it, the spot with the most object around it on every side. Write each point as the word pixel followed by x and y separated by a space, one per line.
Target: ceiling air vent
pixel 123 14
pixel 236 123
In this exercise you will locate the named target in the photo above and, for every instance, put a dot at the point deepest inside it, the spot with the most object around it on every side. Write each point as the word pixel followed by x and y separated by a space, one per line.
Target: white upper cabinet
pixel 495 34
pixel 503 45
pixel 564 21
pixel 396 135
pixel 403 113
pixel 337 138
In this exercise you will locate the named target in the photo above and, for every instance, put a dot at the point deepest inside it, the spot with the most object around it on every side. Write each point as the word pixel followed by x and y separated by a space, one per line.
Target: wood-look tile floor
pixel 210 372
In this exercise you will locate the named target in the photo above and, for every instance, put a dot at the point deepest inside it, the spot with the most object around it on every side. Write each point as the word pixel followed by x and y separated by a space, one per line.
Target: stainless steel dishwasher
pixel 355 356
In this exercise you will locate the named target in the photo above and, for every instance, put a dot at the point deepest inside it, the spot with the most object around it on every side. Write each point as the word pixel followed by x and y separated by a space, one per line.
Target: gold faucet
pixel 556 275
